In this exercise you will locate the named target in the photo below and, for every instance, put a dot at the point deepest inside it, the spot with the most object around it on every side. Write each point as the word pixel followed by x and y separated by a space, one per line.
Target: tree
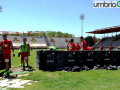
pixel 70 35
pixel 42 33
pixel 51 34
pixel 59 34
pixel 89 40
pixel 65 35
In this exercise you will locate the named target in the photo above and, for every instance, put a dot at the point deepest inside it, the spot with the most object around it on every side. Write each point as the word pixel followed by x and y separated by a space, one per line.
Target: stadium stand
pixel 60 42
pixel 40 42
pixel 116 41
pixel 51 43
pixel 56 41
pixel 28 39
pixel 46 40
pixel 76 40
pixel 11 38
pixel 15 39
pixel 106 42
pixel 68 40
pixel 63 43
pixel 103 39
pixel 109 40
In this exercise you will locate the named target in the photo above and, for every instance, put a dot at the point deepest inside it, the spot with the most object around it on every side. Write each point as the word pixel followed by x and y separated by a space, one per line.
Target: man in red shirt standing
pixel 77 47
pixel 25 52
pixel 110 47
pixel 84 44
pixel 6 45
pixel 101 47
pixel 72 45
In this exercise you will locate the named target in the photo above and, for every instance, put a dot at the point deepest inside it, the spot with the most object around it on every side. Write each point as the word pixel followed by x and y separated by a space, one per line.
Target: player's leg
pixel 7 67
pixel 6 60
pixel 19 54
pixel 21 64
pixel 22 61
pixel 26 60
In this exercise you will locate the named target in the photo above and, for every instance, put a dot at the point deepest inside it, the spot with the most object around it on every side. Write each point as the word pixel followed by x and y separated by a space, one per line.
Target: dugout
pixel 111 40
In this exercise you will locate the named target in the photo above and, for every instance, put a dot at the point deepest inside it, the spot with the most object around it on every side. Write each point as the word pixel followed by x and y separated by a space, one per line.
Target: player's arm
pixel 12 49
pixel 72 47
pixel 82 47
pixel 28 49
pixel 69 47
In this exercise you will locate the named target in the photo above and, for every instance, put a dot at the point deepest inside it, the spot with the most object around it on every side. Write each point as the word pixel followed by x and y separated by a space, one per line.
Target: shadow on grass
pixel 1 73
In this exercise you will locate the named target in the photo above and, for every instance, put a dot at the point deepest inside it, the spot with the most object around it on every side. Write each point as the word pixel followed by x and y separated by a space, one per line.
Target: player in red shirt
pixel 110 47
pixel 77 47
pixel 72 45
pixel 84 44
pixel 25 52
pixel 6 45
pixel 101 47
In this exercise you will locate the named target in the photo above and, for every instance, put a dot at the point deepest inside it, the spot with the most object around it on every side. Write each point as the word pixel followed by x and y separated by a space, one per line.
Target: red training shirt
pixel 110 48
pixel 6 46
pixel 72 45
pixel 89 48
pixel 101 47
pixel 77 47
pixel 84 43
pixel 25 52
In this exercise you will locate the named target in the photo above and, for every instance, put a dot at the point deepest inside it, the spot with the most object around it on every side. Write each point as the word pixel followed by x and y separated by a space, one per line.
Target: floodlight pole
pixel 82 17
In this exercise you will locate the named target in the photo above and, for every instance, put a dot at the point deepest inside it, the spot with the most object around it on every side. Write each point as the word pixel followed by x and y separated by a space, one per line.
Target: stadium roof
pixel 106 30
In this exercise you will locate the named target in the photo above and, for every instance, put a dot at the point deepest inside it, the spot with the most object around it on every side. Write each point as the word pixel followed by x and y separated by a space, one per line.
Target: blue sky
pixel 56 15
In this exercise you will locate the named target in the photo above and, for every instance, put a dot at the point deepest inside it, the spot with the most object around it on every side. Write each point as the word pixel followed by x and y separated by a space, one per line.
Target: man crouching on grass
pixel 52 48
pixel 25 52
pixel 90 48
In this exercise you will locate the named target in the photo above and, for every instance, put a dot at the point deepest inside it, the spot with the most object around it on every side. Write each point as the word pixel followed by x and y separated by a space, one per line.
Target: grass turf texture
pixel 58 80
